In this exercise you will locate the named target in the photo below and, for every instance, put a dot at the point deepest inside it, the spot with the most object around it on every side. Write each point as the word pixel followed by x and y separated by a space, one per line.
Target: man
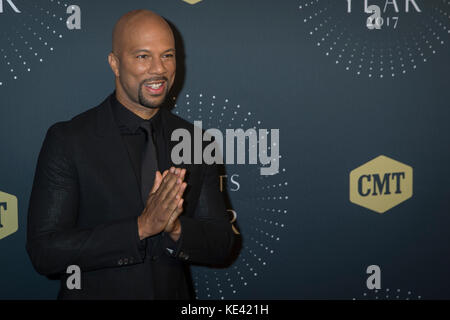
pixel 106 196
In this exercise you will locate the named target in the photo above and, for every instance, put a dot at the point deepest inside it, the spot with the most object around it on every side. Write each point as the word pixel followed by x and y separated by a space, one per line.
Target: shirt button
pixel 120 262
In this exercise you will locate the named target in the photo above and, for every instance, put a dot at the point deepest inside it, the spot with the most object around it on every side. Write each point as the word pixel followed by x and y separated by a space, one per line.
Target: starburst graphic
pixel 29 44
pixel 390 294
pixel 406 44
pixel 261 202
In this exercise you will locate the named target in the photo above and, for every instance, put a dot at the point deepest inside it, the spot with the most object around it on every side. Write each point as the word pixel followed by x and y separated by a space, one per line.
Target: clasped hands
pixel 164 205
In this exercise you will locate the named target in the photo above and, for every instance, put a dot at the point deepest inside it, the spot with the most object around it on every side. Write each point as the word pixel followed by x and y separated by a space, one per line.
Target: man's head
pixel 142 59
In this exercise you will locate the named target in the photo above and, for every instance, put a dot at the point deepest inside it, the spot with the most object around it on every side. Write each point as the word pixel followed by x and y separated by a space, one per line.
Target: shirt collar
pixel 126 119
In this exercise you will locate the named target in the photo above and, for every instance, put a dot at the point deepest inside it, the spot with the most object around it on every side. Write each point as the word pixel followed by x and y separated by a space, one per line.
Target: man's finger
pixel 182 174
pixel 170 187
pixel 174 216
pixel 157 183
pixel 177 191
pixel 171 199
pixel 180 205
pixel 181 191
pixel 178 210
pixel 168 180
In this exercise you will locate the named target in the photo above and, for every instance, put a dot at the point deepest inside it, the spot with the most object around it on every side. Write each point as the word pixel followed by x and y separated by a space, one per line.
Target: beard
pixel 143 101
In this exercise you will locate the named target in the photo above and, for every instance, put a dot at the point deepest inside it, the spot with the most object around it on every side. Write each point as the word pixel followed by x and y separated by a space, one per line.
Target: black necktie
pixel 149 162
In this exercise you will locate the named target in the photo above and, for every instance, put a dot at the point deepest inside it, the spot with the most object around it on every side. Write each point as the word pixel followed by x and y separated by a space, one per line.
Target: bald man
pixel 107 199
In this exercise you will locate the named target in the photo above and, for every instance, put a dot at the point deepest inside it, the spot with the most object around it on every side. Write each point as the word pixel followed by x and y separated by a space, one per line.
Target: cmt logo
pixel 381 184
pixel 8 214
pixel 192 1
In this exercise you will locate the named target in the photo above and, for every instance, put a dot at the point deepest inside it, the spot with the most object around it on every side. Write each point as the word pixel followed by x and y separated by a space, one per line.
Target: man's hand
pixel 164 204
pixel 174 226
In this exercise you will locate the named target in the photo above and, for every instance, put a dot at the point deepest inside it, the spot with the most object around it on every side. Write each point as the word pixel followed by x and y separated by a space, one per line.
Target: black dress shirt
pixel 134 138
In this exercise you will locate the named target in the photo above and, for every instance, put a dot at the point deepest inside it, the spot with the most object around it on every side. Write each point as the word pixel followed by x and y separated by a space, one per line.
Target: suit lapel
pixel 116 158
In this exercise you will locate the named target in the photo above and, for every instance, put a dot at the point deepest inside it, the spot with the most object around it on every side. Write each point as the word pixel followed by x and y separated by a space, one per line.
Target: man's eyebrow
pixel 148 51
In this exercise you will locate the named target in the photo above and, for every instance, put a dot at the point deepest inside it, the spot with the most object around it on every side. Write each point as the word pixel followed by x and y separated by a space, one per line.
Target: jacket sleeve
pixel 53 240
pixel 207 237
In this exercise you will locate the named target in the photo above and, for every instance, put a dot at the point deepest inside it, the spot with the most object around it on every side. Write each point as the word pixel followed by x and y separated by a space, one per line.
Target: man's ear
pixel 113 63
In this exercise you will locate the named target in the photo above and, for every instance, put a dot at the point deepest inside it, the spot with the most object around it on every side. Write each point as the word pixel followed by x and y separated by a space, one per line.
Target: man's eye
pixel 169 55
pixel 142 56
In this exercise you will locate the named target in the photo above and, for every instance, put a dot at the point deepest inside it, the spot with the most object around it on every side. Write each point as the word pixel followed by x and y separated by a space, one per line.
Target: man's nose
pixel 157 66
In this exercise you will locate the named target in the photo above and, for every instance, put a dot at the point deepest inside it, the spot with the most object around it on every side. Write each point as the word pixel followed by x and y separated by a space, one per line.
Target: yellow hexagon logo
pixel 192 1
pixel 381 184
pixel 9 222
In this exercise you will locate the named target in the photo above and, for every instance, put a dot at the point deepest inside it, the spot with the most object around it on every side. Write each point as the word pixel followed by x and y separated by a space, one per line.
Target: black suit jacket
pixel 84 206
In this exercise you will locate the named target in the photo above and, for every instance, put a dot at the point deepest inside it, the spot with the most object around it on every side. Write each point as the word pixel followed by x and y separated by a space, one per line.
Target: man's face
pixel 147 63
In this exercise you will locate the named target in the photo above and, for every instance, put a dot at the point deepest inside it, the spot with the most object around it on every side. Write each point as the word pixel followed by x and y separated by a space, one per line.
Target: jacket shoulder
pixel 83 122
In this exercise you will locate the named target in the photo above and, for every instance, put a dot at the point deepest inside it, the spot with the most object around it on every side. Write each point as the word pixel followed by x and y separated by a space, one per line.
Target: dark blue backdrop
pixel 264 64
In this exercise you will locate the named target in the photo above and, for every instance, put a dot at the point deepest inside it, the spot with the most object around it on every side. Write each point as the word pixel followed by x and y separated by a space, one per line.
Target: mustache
pixel 158 78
